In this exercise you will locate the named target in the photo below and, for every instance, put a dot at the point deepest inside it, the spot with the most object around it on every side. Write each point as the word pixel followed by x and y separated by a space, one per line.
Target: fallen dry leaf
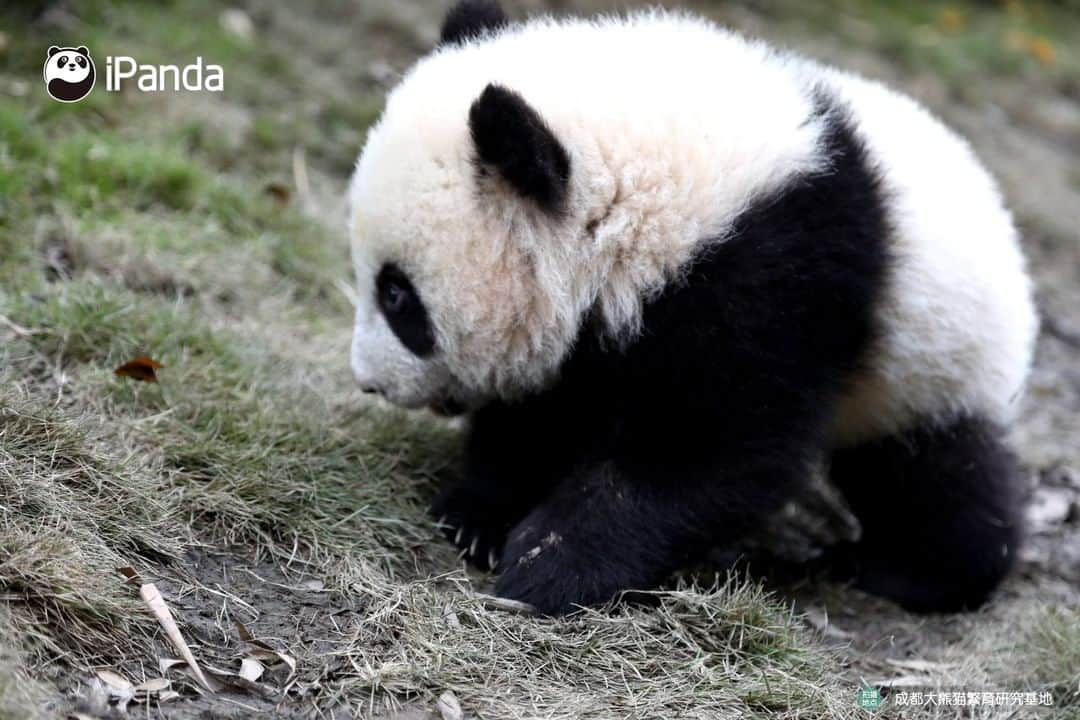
pixel 243 632
pixel 166 664
pixel 115 681
pixel 449 707
pixel 152 597
pixel 142 368
pixel 251 669
pixel 235 680
pixel 97 697
pixel 264 652
pixel 1041 49
pixel 153 685
pixel 118 687
pixel 280 192
pixel 130 575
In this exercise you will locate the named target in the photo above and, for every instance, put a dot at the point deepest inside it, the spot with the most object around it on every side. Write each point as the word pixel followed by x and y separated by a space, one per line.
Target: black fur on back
pixel 514 140
pixel 644 455
pixel 471 19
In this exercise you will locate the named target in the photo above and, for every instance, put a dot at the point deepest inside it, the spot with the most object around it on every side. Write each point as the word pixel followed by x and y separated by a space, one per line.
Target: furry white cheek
pixel 363 365
pixel 374 350
pixel 380 363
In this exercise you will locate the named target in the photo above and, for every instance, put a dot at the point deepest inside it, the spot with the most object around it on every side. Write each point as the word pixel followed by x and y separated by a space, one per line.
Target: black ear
pixel 471 18
pixel 53 50
pixel 82 50
pixel 514 140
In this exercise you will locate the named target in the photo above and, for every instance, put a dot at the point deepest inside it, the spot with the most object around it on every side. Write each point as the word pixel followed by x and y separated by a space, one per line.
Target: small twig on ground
pixel 18 329
pixel 300 179
pixel 161 611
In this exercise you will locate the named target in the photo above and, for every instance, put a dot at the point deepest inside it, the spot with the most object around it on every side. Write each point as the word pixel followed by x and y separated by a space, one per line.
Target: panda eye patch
pixel 404 312
pixel 62 60
pixel 82 62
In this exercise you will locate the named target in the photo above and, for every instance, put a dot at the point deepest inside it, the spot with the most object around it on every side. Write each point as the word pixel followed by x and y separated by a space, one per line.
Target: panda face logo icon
pixel 69 73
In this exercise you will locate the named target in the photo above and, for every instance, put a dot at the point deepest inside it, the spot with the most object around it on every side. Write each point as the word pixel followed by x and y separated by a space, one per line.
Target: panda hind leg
pixel 941 514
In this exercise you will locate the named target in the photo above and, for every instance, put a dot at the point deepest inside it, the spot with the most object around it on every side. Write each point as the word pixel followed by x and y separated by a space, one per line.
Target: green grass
pixel 150 209
pixel 960 41
pixel 241 448
pixel 1052 649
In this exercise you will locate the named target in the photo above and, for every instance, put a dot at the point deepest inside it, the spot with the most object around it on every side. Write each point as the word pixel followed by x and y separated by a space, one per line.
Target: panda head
pixel 468 209
pixel 72 65
pixel 69 72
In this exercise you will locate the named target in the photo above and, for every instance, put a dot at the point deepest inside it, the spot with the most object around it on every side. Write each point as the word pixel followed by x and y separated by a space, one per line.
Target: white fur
pixel 673 127
pixel 958 317
pixel 657 164
pixel 70 71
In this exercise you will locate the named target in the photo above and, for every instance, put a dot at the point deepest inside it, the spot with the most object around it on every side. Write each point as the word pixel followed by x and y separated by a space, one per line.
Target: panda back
pixel 957 318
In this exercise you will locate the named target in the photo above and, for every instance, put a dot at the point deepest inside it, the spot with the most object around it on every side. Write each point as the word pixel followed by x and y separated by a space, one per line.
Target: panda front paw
pixel 558 560
pixel 473 525
pixel 543 572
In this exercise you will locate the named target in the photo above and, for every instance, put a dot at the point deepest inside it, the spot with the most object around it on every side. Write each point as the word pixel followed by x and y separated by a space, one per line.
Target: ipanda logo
pixel 70 74
pixel 157 78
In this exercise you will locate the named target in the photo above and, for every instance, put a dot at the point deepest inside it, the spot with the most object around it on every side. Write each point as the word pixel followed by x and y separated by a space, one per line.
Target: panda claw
pixel 457 537
pixel 442 520
pixel 473 544
pixel 493 561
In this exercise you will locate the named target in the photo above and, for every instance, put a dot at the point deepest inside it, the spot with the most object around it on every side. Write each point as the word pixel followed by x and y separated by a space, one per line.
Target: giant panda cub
pixel 667 271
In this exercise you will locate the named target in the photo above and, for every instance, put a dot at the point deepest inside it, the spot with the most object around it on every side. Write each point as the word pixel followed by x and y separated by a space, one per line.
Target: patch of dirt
pixel 218 596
